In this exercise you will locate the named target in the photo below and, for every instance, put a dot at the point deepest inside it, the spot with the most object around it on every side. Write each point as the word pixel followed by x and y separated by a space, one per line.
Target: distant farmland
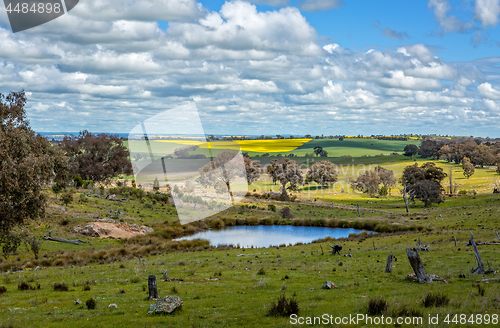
pixel 298 147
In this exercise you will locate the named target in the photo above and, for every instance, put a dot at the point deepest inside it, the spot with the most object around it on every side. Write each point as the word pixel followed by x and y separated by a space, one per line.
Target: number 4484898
pixel 36 8
pixel 472 319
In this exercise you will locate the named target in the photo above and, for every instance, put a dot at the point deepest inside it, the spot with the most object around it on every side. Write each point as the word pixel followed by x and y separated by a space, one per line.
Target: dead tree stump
pixel 388 267
pixel 152 287
pixel 418 266
pixel 480 267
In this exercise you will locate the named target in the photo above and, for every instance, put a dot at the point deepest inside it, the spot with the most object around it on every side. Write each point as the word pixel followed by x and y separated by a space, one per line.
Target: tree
pixel 423 183
pixel 252 170
pixel 369 181
pixel 221 172
pixel 28 163
pixel 271 170
pixel 287 172
pixel 430 148
pixel 468 167
pixel 56 188
pixel 410 150
pixel 156 185
pixel 318 150
pixel 324 173
pixel 498 167
pixel 96 157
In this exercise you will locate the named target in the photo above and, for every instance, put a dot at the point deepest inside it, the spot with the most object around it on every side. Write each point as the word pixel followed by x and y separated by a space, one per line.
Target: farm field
pixel 227 286
pixel 238 297
pixel 298 147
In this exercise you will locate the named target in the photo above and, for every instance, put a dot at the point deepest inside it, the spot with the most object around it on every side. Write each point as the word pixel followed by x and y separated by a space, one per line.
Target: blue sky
pixel 264 67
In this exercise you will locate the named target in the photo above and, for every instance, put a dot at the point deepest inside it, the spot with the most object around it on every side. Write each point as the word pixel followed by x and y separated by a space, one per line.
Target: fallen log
pixel 62 240
pixel 336 249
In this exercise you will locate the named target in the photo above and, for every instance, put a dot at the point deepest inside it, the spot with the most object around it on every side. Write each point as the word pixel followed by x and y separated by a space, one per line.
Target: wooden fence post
pixel 388 267
pixel 153 289
pixel 418 266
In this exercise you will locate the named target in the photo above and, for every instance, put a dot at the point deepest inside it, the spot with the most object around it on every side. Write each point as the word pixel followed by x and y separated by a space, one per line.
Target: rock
pixel 78 301
pixel 87 230
pixel 145 230
pixel 329 285
pixel 112 305
pixel 165 275
pixel 168 304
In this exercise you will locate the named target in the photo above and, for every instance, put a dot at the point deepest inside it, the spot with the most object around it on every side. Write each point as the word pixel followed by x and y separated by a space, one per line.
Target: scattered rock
pixel 347 255
pixel 77 302
pixel 167 305
pixel 112 305
pixel 328 285
pixel 165 275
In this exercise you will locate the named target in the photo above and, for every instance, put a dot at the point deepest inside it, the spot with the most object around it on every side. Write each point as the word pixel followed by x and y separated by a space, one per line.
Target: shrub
pixel 3 290
pixel 25 286
pixel 284 307
pixel 286 213
pixel 271 207
pixel 261 272
pixel 86 288
pixel 377 306
pixel 436 300
pixel 67 198
pixel 90 303
pixel 62 287
pixel 462 192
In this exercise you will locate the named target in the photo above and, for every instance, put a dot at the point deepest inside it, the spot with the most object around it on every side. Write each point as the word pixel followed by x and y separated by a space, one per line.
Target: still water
pixel 265 236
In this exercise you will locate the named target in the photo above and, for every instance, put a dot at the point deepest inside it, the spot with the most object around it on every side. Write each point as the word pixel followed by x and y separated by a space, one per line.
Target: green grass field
pixel 240 297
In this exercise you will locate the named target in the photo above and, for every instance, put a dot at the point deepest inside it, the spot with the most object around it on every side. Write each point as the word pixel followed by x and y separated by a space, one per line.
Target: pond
pixel 265 236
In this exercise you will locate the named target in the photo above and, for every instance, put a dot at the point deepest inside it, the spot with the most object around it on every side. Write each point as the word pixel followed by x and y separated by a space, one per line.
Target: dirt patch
pixel 115 230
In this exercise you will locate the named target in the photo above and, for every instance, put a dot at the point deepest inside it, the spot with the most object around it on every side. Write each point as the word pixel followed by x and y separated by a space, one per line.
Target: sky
pixel 332 67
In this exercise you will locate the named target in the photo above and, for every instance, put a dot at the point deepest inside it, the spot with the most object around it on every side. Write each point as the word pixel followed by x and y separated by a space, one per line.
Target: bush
pixel 90 304
pixel 25 286
pixel 3 290
pixel 377 306
pixel 67 198
pixel 62 287
pixel 284 307
pixel 436 300
pixel 261 272
pixel 271 207
pixel 286 213
pixel 462 192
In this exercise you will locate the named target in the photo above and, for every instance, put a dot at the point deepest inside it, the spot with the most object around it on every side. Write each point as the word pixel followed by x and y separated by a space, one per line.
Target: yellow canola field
pixel 259 146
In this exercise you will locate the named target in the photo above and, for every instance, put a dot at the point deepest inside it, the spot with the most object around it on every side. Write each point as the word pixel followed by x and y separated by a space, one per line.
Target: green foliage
pixel 91 304
pixel 78 181
pixel 436 300
pixel 284 307
pixel 67 198
pixel 377 306
pixel 61 287
pixel 28 163
pixel 56 188
pixel 383 191
pixel 271 207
